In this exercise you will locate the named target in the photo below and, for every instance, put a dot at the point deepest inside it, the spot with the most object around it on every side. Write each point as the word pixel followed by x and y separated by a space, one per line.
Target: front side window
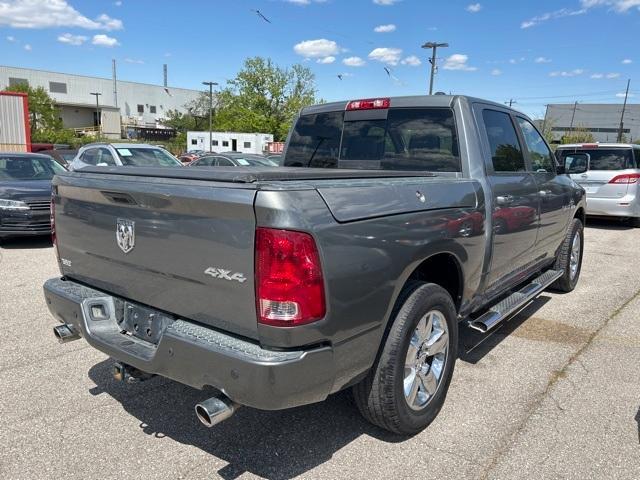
pixel 90 157
pixel 28 168
pixel 541 156
pixel 105 157
pixel 506 152
pixel 224 162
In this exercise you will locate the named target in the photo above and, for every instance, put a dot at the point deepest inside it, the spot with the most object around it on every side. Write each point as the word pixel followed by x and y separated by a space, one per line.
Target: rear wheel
pixel 407 386
pixel 570 258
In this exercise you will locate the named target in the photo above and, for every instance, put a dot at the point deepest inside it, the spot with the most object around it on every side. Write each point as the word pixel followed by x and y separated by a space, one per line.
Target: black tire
pixel 566 283
pixel 380 396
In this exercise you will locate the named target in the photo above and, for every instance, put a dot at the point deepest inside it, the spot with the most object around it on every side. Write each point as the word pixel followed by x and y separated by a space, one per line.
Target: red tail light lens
pixel 289 281
pixel 369 104
pixel 628 178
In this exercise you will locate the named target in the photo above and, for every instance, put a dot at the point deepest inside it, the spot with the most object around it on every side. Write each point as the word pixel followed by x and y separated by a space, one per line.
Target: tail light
pixel 369 104
pixel 289 281
pixel 627 178
pixel 52 218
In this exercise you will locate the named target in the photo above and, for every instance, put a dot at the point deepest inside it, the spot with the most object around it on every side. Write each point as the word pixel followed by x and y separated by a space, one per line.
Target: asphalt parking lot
pixel 554 393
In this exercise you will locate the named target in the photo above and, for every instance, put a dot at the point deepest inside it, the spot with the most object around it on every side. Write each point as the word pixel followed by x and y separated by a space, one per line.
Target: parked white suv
pixel 612 179
pixel 123 154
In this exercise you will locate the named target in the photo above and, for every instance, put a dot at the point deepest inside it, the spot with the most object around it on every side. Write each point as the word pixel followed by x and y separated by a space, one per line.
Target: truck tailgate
pixel 189 253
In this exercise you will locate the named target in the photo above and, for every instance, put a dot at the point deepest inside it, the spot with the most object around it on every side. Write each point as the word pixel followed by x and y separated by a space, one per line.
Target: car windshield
pixel 28 168
pixel 606 158
pixel 146 157
pixel 255 161
pixel 419 139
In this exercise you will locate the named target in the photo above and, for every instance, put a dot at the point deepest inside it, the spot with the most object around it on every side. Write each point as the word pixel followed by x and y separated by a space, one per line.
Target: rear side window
pixel 506 152
pixel 609 159
pixel 418 139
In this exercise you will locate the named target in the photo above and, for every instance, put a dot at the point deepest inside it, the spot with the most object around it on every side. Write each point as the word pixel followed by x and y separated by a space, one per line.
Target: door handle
pixel 544 193
pixel 584 175
pixel 504 199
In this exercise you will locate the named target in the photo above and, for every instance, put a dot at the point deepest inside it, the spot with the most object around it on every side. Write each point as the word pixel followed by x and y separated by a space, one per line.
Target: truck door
pixel 554 191
pixel 514 202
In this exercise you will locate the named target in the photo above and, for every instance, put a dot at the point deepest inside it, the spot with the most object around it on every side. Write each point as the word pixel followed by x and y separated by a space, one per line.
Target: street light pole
pixel 624 107
pixel 210 84
pixel 97 111
pixel 434 47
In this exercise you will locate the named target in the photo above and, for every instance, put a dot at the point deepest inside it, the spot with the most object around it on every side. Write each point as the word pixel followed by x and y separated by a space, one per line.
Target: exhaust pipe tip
pixel 215 410
pixel 65 333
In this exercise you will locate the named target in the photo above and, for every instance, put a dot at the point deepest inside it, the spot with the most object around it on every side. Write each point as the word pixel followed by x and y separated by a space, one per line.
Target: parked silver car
pixel 611 180
pixel 123 154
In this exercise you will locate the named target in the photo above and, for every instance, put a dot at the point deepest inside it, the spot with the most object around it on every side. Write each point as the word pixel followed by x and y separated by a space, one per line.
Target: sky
pixel 533 53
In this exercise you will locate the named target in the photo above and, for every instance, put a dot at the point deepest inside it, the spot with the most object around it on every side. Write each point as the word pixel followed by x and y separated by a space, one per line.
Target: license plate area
pixel 144 322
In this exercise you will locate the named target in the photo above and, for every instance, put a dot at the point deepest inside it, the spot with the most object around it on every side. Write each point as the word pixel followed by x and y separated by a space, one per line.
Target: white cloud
pixel 597 76
pixel 327 60
pixel 563 12
pixel 622 95
pixel 11 39
pixel 134 60
pixel 27 47
pixel 385 28
pixel 542 60
pixel 571 73
pixel 118 3
pixel 627 61
pixel 619 6
pixel 354 62
pixel 104 40
pixel 496 72
pixel 612 75
pixel 390 56
pixel 304 2
pixel 49 14
pixel 412 61
pixel 474 8
pixel 319 48
pixel 70 39
pixel 458 61
pixel 386 2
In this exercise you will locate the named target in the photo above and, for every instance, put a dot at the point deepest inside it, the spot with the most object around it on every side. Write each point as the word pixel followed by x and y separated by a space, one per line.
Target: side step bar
pixel 514 302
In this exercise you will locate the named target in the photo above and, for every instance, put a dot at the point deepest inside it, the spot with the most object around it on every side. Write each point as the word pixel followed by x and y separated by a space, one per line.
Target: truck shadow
pixel 473 346
pixel 608 223
pixel 276 445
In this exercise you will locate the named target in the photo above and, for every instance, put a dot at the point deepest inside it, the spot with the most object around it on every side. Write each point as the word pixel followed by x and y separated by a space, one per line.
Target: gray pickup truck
pixel 392 223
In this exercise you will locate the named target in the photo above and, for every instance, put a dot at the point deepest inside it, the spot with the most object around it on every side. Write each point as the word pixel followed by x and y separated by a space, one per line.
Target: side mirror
pixel 575 163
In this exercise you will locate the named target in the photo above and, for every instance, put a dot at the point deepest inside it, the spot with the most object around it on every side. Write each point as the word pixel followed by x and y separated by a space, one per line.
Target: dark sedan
pixel 62 156
pixel 25 193
pixel 233 160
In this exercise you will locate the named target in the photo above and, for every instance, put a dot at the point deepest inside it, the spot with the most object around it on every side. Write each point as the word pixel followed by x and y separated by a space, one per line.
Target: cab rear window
pixel 606 158
pixel 412 139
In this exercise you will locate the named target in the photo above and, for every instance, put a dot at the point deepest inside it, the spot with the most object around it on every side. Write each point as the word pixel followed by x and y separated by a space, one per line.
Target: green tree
pixel 578 135
pixel 264 98
pixel 44 116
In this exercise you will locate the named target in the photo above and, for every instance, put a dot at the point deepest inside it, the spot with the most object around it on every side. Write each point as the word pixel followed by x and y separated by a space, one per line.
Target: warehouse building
pixel 122 106
pixel 602 120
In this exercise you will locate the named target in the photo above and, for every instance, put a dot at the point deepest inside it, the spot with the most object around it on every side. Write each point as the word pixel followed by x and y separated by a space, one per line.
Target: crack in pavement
pixel 556 375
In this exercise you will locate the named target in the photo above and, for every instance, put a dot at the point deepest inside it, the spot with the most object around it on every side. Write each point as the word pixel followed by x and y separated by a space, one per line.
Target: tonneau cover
pixel 251 174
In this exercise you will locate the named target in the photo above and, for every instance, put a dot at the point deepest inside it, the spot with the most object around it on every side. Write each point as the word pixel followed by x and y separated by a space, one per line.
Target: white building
pixel 229 142
pixel 120 103
pixel 602 120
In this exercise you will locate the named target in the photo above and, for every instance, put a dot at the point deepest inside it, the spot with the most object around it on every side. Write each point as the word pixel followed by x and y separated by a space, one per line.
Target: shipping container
pixel 15 130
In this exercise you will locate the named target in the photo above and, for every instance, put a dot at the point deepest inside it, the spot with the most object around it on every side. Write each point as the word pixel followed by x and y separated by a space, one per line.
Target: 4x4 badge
pixel 225 274
pixel 125 234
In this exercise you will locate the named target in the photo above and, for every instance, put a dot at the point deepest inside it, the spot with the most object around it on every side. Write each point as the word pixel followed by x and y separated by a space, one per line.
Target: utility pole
pixel 624 107
pixel 510 102
pixel 434 47
pixel 97 95
pixel 544 122
pixel 573 116
pixel 115 82
pixel 210 84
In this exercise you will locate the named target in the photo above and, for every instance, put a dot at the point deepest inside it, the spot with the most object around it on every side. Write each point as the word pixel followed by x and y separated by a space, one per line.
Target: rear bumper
pixel 627 206
pixel 199 356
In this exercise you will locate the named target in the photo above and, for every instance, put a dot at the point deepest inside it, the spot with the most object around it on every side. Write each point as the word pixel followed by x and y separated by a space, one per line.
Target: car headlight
pixel 13 205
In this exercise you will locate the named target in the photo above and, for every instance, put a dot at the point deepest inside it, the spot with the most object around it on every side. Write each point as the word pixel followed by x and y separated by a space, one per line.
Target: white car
pixel 123 154
pixel 611 179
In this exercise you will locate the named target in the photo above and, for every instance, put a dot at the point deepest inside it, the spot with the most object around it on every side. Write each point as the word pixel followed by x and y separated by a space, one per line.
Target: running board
pixel 514 302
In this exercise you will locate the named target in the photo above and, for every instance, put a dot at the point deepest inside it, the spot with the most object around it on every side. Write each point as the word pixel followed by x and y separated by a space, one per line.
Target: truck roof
pixel 438 101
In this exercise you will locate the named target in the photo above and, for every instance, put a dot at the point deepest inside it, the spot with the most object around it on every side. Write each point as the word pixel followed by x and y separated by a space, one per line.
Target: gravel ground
pixel 554 393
